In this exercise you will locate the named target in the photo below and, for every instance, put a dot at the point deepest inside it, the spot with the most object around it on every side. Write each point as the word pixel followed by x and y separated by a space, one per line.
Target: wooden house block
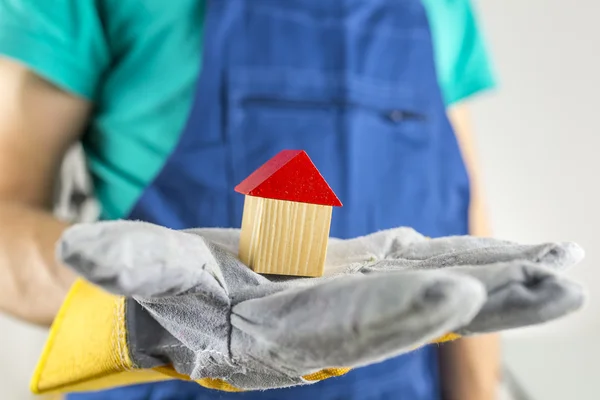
pixel 287 216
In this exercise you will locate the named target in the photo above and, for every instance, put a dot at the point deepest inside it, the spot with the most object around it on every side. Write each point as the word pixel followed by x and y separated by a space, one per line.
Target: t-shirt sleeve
pixel 463 63
pixel 61 40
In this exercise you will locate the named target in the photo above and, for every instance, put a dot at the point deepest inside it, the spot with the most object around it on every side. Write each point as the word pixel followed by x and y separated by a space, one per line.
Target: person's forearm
pixel 39 122
pixel 470 367
pixel 32 284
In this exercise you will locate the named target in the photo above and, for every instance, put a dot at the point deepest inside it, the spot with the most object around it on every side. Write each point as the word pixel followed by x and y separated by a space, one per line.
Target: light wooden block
pixel 284 237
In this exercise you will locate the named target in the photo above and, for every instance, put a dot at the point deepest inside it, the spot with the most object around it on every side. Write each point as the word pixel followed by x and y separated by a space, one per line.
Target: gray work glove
pixel 193 304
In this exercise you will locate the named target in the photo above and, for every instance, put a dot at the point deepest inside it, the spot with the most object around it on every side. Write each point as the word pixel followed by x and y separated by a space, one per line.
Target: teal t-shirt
pixel 138 61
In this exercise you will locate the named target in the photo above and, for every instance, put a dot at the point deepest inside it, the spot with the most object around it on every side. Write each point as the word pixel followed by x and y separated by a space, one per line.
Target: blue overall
pixel 352 82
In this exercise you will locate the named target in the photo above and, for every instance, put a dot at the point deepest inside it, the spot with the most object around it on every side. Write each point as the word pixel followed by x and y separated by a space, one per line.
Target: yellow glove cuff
pixel 87 345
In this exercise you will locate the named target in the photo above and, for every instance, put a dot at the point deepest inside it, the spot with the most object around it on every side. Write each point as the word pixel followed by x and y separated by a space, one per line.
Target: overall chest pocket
pixel 324 114
pixel 359 133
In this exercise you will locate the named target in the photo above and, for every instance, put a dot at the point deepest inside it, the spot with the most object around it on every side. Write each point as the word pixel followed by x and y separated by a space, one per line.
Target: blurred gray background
pixel 538 136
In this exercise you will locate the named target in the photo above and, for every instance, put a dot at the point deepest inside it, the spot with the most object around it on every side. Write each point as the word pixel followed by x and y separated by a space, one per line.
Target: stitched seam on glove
pixel 119 314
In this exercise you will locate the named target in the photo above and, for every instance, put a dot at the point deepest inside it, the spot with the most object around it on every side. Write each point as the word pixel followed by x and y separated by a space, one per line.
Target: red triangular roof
pixel 292 176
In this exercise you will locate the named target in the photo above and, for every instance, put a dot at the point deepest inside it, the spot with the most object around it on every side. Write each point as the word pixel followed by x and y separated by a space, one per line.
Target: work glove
pixel 179 304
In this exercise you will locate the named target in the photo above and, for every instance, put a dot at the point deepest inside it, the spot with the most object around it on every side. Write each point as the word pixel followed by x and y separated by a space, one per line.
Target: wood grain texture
pixel 283 237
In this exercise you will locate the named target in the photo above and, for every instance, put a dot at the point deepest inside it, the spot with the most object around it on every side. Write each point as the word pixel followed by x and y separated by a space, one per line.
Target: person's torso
pixel 353 83
pixel 144 100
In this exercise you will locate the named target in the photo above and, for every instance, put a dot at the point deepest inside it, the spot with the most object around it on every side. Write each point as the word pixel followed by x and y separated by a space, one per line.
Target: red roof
pixel 292 176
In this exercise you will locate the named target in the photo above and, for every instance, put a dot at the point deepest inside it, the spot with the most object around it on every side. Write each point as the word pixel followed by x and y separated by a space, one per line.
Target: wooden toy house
pixel 287 216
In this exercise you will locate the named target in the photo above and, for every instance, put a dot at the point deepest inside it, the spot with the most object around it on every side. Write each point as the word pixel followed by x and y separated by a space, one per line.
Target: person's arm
pixel 38 123
pixel 470 367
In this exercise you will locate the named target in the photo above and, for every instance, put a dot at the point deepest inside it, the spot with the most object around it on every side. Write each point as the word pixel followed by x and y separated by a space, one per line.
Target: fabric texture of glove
pixel 190 309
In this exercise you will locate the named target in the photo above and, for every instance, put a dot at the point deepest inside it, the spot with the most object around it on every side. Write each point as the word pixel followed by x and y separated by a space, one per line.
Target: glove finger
pixel 354 320
pixel 519 295
pixel 343 253
pixel 134 258
pixel 558 256
pixel 479 251
pixel 408 243
pixel 448 244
